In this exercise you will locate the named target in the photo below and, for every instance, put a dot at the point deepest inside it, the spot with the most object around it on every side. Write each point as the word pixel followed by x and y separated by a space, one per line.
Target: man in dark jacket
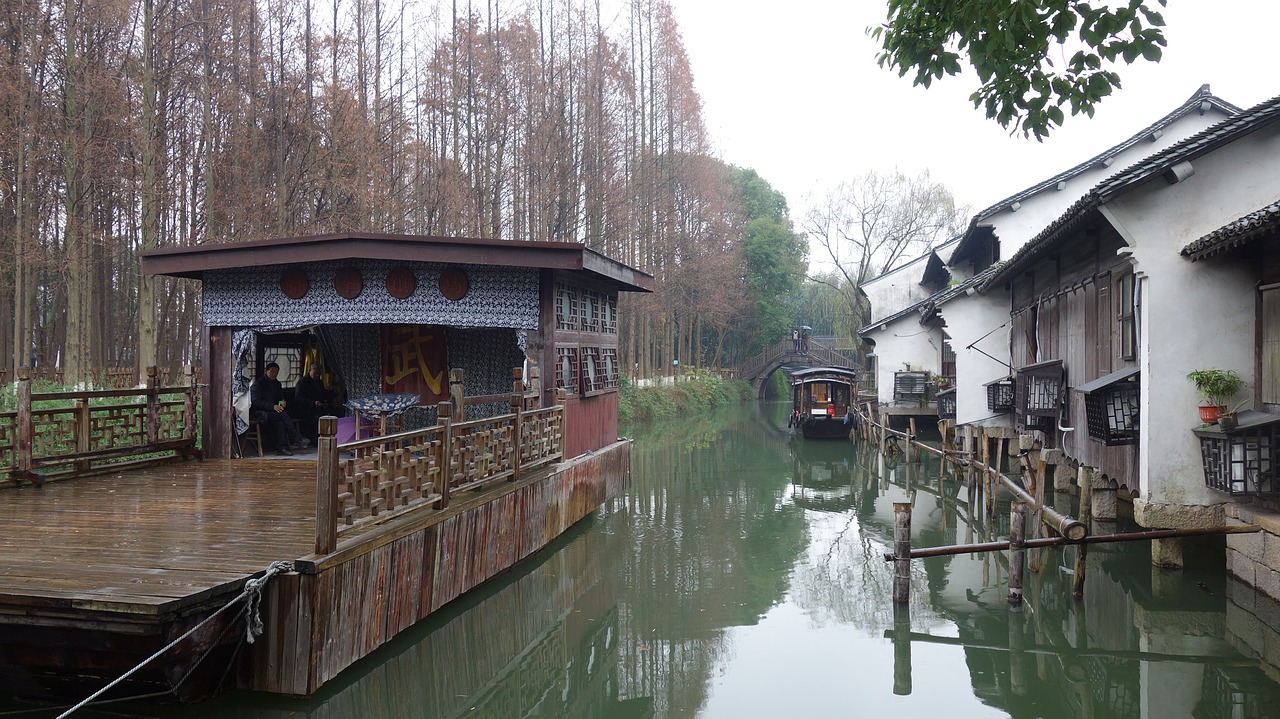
pixel 267 405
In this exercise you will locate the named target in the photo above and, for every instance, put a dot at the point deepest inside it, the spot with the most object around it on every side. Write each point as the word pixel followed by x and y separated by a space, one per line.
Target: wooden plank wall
pixel 592 423
pixel 1078 326
pixel 322 623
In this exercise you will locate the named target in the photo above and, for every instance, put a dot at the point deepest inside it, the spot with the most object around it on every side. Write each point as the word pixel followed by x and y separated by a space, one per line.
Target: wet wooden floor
pixel 152 540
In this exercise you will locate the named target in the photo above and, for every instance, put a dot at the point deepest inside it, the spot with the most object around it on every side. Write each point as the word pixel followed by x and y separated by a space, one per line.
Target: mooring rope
pixel 252 596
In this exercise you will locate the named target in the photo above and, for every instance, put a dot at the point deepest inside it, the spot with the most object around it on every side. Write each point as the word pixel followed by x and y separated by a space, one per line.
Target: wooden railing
pixel 84 431
pixel 109 378
pixel 391 475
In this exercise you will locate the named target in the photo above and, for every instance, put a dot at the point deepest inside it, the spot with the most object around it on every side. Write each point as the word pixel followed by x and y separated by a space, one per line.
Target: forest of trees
pixel 134 124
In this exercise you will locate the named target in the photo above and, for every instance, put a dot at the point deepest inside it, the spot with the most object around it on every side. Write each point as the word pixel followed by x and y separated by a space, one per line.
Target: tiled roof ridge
pixel 1197 99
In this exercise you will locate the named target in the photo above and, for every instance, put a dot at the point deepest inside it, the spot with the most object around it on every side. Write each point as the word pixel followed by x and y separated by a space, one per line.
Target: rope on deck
pixel 252 597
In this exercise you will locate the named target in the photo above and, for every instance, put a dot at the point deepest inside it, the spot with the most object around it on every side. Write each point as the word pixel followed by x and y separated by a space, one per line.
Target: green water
pixel 742 576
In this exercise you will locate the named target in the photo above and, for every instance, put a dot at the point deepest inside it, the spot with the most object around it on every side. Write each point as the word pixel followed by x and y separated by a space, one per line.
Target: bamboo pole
pixel 902 552
pixel 327 486
pixel 999 546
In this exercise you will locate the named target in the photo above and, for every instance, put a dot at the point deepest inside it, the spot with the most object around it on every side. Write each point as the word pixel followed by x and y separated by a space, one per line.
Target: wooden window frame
pixel 569 384
pixel 1127 315
pixel 567 314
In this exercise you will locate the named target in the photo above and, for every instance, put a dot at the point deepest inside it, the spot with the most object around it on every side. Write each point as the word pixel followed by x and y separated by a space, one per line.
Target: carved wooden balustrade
pixel 368 481
pixel 88 430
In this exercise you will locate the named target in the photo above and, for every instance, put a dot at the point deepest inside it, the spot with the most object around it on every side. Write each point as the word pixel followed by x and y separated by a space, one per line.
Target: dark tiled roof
pixel 926 306
pixel 1136 175
pixel 1235 233
pixel 1195 102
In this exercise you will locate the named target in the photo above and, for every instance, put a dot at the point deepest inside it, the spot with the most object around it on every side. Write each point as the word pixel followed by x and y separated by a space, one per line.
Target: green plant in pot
pixel 1216 388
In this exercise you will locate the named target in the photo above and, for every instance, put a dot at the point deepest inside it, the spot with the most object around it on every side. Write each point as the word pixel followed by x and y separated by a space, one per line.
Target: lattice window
pixel 609 358
pixel 910 386
pixel 609 314
pixel 1242 461
pixel 1111 407
pixel 590 311
pixel 567 369
pixel 1038 395
pixel 567 308
pixel 592 369
pixel 1000 395
pixel 1128 317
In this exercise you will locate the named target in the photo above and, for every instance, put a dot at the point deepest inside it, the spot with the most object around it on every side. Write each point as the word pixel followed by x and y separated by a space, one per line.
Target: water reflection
pixel 743 576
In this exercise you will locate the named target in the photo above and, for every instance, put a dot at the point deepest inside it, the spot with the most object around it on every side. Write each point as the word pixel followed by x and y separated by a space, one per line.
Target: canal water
pixel 743 576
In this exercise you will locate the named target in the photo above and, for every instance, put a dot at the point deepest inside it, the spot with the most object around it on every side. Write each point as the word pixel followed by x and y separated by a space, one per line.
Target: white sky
pixel 791 89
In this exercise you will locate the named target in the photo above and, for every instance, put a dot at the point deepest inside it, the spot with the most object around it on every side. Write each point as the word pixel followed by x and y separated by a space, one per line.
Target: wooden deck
pixel 153 540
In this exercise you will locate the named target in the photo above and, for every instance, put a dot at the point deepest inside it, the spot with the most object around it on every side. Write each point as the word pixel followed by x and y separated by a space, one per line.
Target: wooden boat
pixel 820 402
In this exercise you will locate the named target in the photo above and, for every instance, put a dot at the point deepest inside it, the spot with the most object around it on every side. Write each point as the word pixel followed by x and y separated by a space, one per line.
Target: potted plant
pixel 1216 388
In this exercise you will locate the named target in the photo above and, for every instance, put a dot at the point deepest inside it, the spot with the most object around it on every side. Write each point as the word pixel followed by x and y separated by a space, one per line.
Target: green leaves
pixel 1011 47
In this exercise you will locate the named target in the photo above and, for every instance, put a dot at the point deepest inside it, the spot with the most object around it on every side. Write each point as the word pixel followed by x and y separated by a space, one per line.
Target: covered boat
pixel 821 401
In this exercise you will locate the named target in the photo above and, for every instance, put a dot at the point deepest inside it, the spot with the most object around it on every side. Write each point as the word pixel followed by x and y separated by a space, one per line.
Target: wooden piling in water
pixel 902 650
pixel 901 552
pixel 1017 555
pixel 1085 479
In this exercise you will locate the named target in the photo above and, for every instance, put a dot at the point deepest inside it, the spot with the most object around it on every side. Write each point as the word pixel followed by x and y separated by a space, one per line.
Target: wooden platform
pixel 98 573
pixel 151 541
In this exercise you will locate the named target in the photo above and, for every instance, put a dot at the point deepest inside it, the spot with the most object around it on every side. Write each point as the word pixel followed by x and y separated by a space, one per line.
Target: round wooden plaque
pixel 454 284
pixel 294 283
pixel 401 283
pixel 348 283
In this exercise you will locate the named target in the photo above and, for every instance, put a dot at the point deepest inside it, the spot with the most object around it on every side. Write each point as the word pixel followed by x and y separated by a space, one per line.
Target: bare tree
pixel 873 223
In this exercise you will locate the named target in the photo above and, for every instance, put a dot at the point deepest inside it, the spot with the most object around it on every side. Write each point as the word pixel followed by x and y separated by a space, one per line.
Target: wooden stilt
pixel 1017 555
pixel 901 552
pixel 902 650
pixel 1017 652
pixel 1085 478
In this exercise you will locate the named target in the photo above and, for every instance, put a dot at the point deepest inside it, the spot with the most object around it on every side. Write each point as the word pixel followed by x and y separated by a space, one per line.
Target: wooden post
pixel 84 435
pixel 444 418
pixel 457 398
pixel 562 401
pixel 517 432
pixel 327 486
pixel 1017 652
pixel 189 404
pixel 901 552
pixel 901 650
pixel 1085 479
pixel 22 451
pixel 153 406
pixel 1037 525
pixel 911 436
pixel 1017 555
pixel 534 384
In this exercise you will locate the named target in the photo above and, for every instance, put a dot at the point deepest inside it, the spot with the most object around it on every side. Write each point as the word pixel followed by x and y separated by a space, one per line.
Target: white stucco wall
pixel 895 291
pixel 1192 315
pixel 905 343
pixel 968 319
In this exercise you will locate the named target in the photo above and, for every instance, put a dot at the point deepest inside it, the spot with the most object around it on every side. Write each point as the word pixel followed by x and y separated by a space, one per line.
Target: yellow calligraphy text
pixel 409 355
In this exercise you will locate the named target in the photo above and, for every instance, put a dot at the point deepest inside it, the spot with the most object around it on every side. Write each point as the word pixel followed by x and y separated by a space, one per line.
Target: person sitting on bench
pixel 267 405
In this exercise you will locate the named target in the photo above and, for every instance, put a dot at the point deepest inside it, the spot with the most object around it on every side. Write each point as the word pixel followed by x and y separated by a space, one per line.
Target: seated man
pixel 312 401
pixel 267 405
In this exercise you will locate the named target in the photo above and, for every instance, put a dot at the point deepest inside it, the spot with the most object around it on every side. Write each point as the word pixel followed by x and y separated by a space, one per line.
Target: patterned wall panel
pixel 252 297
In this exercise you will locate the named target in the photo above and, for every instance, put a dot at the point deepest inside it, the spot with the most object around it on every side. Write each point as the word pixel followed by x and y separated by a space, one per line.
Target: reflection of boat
pixel 820 402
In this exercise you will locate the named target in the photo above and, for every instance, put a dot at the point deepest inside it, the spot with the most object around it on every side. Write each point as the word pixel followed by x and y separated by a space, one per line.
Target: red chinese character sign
pixel 415 360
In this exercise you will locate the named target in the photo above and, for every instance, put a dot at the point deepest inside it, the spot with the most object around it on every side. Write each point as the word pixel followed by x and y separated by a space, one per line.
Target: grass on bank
pixel 696 392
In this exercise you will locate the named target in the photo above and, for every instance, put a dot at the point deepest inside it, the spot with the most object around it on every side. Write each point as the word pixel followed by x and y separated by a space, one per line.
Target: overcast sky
pixel 792 90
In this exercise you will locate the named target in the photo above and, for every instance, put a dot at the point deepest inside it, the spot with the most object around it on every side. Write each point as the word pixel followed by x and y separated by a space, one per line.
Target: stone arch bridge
pixel 757 369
